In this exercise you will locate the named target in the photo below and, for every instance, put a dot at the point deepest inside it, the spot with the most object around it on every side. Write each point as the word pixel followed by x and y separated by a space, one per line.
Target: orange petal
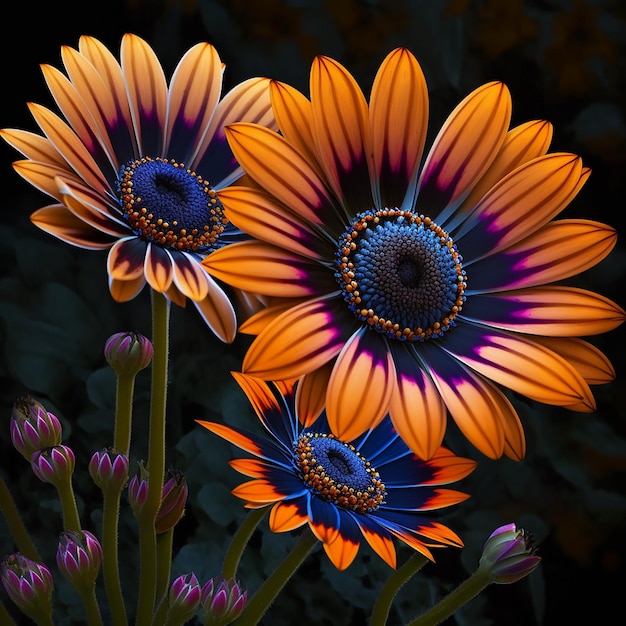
pixel 233 436
pixel 158 268
pixel 340 120
pixel 257 491
pixel 341 552
pixel 125 290
pixel 57 220
pixel 258 392
pixel 189 277
pixel 442 498
pixel 416 408
pixel 465 147
pixel 126 259
pixel 297 342
pixel 254 468
pixel 33 147
pixel 590 362
pixel 398 118
pixel 285 516
pixel 43 176
pixel 218 312
pixel 360 386
pixel 311 394
pixel 257 322
pixel 381 544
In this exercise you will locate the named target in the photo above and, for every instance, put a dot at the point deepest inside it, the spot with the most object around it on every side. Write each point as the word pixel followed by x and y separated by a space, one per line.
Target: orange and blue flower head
pixel 136 166
pixel 411 282
pixel 371 488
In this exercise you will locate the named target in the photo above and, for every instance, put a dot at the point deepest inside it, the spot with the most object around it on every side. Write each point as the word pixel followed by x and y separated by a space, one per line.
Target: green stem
pixel 240 541
pixel 164 565
pixel 267 592
pixel 71 521
pixel 5 617
pixel 449 605
pixel 400 577
pixel 156 459
pixel 16 527
pixel 123 412
pixel 110 566
pixel 92 610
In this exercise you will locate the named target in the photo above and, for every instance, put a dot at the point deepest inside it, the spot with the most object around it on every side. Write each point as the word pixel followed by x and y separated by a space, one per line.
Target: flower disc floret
pixel 338 473
pixel 170 205
pixel 401 274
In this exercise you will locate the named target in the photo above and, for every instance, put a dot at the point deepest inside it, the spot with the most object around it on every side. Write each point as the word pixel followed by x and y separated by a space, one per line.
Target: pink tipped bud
pixel 509 554
pixel 222 601
pixel 79 557
pixel 32 427
pixel 138 489
pixel 184 598
pixel 173 500
pixel 109 469
pixel 128 353
pixel 53 465
pixel 29 585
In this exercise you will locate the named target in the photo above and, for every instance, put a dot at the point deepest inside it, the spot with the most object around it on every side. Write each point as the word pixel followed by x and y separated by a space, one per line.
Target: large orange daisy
pixel 410 284
pixel 135 166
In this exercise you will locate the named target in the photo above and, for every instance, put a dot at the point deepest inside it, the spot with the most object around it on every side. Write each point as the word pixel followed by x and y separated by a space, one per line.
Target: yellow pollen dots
pixel 337 473
pixel 170 205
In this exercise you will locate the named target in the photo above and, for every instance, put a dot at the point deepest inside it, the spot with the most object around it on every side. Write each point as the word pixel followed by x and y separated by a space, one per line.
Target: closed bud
pixel 32 427
pixel 183 599
pixel 509 554
pixel 128 353
pixel 138 489
pixel 109 469
pixel 79 557
pixel 222 601
pixel 173 501
pixel 53 465
pixel 29 585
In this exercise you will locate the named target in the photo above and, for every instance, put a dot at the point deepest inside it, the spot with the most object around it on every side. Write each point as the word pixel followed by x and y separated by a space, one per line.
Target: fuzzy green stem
pixel 110 566
pixel 71 521
pixel 240 541
pixel 5 618
pixel 156 460
pixel 15 524
pixel 400 577
pixel 267 592
pixel 123 412
pixel 164 565
pixel 92 610
pixel 460 596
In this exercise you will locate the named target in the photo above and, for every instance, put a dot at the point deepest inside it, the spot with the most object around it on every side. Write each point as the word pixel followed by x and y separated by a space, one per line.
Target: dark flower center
pixel 169 205
pixel 337 473
pixel 401 274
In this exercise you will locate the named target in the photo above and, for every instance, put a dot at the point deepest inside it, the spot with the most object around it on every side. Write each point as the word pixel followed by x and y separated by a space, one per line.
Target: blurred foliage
pixel 563 60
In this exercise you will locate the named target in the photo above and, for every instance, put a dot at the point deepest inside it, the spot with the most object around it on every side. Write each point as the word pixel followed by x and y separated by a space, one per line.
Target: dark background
pixel 562 61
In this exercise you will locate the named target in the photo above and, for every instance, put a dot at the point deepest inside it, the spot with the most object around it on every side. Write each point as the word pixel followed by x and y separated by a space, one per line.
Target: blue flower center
pixel 336 472
pixel 170 205
pixel 400 274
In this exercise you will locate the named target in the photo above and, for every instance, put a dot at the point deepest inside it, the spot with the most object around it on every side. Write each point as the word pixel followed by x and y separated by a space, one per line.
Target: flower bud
pixel 53 465
pixel 128 353
pixel 222 601
pixel 29 585
pixel 184 597
pixel 509 554
pixel 173 500
pixel 109 469
pixel 138 489
pixel 32 427
pixel 79 557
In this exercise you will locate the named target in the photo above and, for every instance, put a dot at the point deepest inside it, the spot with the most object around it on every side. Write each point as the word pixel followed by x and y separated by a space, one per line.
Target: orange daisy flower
pixel 414 286
pixel 135 166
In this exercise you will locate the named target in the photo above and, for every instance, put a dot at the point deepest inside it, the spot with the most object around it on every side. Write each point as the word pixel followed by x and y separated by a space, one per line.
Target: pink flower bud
pixel 29 585
pixel 138 489
pixel 184 597
pixel 173 500
pixel 79 557
pixel 509 554
pixel 109 469
pixel 128 353
pixel 222 601
pixel 32 427
pixel 53 465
